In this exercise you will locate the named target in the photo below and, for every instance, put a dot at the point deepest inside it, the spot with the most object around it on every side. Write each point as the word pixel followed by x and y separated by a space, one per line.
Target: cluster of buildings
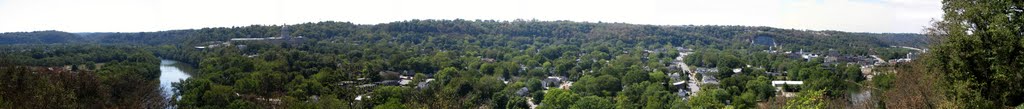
pixel 779 87
pixel 560 82
pixel 284 37
pixel 387 78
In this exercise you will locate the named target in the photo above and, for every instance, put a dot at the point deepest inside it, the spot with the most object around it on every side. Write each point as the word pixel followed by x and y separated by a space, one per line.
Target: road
pixel 692 82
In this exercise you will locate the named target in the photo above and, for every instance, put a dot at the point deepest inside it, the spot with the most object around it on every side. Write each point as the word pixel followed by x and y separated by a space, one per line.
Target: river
pixel 171 72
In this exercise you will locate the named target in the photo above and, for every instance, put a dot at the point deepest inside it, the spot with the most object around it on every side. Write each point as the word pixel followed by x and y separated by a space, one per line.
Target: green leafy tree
pixel 517 103
pixel 979 52
pixel 634 76
pixel 446 74
pixel 808 100
pixel 417 78
pixel 710 99
pixel 592 102
pixel 761 87
pixel 242 104
pixel 604 85
pixel 747 100
pixel 624 102
pixel 219 95
pixel 558 99
pixel 389 94
pixel 488 85
pixel 658 77
pixel 656 97
pixel 391 104
pixel 883 81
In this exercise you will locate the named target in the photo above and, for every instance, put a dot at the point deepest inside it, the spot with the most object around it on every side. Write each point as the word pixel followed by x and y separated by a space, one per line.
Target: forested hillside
pixel 716 36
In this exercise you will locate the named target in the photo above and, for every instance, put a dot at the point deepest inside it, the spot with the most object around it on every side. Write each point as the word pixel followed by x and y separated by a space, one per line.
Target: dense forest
pixel 519 64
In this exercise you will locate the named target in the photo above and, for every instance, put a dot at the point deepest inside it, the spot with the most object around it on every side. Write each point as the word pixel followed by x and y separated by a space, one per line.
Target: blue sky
pixel 904 16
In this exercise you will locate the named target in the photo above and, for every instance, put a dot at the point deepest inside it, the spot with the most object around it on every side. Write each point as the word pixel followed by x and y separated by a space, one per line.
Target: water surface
pixel 171 72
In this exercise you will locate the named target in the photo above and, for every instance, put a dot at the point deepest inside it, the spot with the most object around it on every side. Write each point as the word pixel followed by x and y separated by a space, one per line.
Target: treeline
pixel 71 54
pixel 38 37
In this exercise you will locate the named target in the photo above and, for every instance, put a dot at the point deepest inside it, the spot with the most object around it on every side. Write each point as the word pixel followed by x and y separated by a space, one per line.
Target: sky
pixel 902 16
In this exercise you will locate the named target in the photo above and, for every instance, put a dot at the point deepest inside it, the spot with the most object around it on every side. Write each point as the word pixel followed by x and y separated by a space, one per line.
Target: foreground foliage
pixel 86 76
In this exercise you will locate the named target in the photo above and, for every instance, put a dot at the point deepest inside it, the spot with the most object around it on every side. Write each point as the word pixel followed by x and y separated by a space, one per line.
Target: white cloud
pixel 156 15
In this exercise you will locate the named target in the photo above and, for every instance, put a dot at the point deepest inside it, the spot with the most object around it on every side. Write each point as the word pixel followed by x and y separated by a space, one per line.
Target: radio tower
pixel 285 32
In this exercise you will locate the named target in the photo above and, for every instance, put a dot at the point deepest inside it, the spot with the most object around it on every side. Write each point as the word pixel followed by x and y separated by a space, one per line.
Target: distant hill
pixel 711 36
pixel 38 37
pixel 904 39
